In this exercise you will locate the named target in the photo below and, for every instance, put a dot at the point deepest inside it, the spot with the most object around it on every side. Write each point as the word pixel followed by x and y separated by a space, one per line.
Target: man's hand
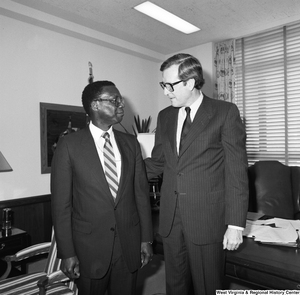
pixel 70 267
pixel 146 253
pixel 233 238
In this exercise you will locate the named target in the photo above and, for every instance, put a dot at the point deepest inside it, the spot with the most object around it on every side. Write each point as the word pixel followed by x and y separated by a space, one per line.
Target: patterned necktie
pixel 110 166
pixel 186 127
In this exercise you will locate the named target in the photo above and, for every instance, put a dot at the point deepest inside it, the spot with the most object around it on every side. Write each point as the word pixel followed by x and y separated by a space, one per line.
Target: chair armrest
pixel 53 278
pixel 28 252
pixel 25 253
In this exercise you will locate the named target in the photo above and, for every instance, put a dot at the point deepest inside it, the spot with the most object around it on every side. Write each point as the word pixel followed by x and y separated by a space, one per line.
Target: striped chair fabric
pixel 28 284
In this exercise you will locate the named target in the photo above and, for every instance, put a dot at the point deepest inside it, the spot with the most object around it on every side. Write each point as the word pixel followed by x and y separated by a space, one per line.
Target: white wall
pixel 38 64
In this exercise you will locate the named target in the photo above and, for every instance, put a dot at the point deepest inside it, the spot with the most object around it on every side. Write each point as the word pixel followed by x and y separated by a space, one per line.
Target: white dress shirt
pixel 182 115
pixel 99 140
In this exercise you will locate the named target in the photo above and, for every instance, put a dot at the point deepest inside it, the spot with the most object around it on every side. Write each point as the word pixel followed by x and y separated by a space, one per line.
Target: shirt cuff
pixel 235 227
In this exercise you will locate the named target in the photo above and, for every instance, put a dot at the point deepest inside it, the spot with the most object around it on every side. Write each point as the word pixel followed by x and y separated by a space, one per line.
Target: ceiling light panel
pixel 166 17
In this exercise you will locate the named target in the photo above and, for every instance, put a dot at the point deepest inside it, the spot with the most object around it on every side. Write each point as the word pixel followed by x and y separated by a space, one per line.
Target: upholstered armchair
pixel 274 189
pixel 49 281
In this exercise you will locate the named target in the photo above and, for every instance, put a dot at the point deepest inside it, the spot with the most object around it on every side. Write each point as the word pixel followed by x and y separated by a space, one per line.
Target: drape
pixel 224 62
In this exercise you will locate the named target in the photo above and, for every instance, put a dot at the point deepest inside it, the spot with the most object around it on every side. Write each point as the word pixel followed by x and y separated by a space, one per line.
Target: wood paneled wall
pixel 32 214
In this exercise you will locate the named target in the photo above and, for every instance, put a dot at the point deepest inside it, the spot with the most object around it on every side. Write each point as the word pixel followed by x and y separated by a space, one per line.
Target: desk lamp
pixel 4 166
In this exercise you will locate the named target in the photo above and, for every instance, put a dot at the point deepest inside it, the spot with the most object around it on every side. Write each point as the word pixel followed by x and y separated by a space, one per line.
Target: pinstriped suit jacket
pixel 84 212
pixel 209 179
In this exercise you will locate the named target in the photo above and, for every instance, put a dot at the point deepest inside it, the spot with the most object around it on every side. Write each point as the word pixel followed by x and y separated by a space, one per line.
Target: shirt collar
pixel 194 106
pixel 98 132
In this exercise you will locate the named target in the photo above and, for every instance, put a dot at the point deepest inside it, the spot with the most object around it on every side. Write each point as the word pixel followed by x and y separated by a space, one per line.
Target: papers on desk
pixel 275 231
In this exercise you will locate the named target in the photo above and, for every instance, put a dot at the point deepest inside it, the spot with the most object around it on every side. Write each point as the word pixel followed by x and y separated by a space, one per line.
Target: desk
pixel 272 267
pixel 17 240
pixel 269 267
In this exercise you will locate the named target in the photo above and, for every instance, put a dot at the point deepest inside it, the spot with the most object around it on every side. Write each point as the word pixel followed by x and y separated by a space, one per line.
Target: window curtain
pixel 225 71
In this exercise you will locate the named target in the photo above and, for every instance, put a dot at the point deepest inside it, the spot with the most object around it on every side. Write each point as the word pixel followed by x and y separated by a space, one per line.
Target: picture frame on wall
pixel 56 121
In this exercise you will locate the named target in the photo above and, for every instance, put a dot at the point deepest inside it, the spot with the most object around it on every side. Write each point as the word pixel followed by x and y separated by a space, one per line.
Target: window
pixel 268 93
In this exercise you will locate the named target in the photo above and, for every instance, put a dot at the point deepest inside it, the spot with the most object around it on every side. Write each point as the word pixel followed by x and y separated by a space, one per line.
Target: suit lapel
pixel 202 118
pixel 124 151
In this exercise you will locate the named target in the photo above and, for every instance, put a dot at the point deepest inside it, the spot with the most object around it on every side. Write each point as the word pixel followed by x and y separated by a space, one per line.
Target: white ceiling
pixel 218 19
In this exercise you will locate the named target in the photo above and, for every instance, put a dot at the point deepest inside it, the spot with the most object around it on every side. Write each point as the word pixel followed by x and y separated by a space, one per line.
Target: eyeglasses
pixel 116 101
pixel 169 86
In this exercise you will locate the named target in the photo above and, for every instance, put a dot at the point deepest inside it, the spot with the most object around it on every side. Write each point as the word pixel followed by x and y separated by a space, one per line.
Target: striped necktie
pixel 186 127
pixel 110 166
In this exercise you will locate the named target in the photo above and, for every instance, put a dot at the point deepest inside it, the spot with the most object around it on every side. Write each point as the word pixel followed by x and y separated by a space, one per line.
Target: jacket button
pixel 112 229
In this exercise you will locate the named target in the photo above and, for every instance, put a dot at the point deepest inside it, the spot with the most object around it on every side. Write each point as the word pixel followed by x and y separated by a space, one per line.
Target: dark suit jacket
pixel 84 213
pixel 209 179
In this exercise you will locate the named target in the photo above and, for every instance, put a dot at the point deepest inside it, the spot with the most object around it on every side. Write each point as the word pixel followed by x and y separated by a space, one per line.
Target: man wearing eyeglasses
pixel 100 202
pixel 200 150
